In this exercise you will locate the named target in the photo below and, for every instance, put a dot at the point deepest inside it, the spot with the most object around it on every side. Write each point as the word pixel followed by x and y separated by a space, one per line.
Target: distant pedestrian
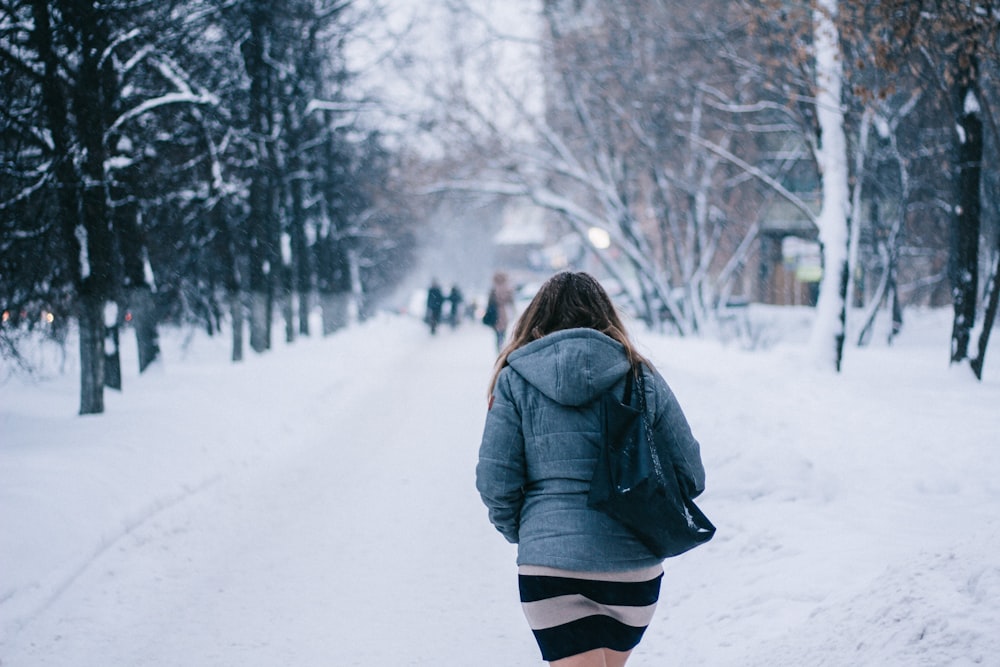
pixel 499 307
pixel 455 299
pixel 588 586
pixel 435 301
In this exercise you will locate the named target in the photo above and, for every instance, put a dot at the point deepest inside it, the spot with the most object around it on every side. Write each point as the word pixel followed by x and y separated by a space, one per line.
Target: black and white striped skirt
pixel 574 612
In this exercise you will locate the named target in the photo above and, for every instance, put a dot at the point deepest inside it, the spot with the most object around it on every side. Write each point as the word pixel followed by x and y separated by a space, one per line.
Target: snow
pixel 882 127
pixel 970 104
pixel 110 313
pixel 316 505
pixel 81 236
pixel 185 97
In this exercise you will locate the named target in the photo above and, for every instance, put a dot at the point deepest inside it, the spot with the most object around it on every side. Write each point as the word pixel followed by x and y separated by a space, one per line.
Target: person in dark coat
pixel 588 585
pixel 455 299
pixel 435 301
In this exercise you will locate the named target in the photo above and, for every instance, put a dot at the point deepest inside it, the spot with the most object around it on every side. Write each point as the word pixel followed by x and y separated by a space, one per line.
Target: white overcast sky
pixel 416 43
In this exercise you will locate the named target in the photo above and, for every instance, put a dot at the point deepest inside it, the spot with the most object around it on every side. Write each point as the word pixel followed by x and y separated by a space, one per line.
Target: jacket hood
pixel 572 366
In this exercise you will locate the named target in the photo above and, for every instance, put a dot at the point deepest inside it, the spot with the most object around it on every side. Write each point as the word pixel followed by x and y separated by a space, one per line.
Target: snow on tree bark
pixel 827 335
pixel 963 266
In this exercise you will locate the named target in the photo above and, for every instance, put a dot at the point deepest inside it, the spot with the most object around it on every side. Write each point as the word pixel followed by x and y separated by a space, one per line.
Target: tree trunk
pixel 82 199
pixel 98 270
pixel 288 303
pixel 305 297
pixel 827 337
pixel 335 311
pixel 992 297
pixel 260 280
pixel 112 358
pixel 236 314
pixel 259 331
pixel 300 252
pixel 112 349
pixel 229 244
pixel 55 106
pixel 91 322
pixel 272 247
pixel 138 294
pixel 886 294
pixel 964 257
pixel 141 306
pixel 897 310
pixel 357 286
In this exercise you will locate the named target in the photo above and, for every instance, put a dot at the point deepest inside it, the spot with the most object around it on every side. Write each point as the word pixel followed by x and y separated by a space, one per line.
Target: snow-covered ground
pixel 316 506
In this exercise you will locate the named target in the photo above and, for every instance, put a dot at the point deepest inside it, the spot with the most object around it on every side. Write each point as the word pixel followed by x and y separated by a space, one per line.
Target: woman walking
pixel 588 586
pixel 499 307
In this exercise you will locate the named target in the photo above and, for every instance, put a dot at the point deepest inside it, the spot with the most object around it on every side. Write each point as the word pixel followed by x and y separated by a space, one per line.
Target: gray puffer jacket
pixel 540 446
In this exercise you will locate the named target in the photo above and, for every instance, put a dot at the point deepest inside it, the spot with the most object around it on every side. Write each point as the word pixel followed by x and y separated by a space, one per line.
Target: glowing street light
pixel 599 238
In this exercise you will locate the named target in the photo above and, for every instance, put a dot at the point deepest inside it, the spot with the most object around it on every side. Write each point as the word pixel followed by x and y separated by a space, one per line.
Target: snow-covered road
pixel 356 538
pixel 316 506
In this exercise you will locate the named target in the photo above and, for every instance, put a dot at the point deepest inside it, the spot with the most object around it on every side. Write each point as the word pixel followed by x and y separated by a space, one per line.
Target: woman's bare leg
pixel 599 657
pixel 615 658
pixel 593 658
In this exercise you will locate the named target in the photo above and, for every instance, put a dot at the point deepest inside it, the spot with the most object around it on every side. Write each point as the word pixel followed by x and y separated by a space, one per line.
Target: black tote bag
pixel 632 485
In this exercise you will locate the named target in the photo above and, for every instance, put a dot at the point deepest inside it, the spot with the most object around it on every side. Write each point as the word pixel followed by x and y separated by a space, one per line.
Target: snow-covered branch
pixel 161 101
pixel 329 105
pixel 44 176
pixel 759 174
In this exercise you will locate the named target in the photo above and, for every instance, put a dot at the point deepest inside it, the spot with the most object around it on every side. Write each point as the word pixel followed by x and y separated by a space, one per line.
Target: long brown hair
pixel 567 300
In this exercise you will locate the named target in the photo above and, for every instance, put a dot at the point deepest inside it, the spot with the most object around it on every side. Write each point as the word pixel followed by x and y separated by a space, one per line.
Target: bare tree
pixel 630 141
pixel 950 44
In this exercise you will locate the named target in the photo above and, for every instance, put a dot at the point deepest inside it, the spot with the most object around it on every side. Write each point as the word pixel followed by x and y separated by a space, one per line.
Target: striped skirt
pixel 574 612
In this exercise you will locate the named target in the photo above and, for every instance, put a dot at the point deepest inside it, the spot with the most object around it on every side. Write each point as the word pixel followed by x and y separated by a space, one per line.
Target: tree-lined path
pixel 316 506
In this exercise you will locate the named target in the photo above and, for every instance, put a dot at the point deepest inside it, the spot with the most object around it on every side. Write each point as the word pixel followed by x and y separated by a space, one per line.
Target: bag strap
pixel 645 418
pixel 627 395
